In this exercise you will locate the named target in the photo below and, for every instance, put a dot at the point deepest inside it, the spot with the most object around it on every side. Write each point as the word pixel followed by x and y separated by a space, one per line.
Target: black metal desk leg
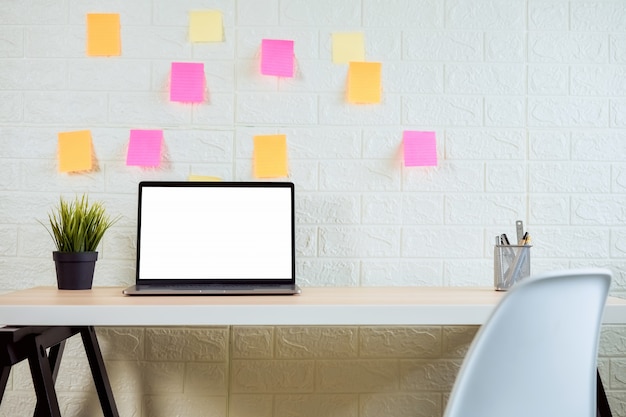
pixel 54 361
pixel 54 358
pixel 4 378
pixel 47 403
pixel 98 370
pixel 604 410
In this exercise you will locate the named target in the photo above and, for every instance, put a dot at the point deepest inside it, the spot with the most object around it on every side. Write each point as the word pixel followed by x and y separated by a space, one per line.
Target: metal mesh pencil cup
pixel 511 263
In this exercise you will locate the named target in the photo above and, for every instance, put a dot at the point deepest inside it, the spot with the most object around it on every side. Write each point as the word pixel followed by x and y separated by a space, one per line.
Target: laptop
pixel 215 238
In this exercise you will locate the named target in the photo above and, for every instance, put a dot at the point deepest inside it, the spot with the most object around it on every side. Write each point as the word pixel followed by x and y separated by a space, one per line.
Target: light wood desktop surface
pixel 107 306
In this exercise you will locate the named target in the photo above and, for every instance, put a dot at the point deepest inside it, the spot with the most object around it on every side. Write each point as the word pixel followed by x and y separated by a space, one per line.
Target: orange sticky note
pixel 103 34
pixel 75 150
pixel 364 82
pixel 270 156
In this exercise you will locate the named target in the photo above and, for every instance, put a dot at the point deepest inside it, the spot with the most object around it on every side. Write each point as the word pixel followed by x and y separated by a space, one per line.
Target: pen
pixel 519 228
pixel 525 240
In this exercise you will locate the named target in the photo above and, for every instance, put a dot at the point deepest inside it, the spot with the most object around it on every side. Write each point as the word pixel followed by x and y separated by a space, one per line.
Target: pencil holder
pixel 511 263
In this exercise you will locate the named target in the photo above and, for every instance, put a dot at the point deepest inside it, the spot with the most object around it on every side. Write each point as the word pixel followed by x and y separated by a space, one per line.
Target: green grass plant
pixel 78 226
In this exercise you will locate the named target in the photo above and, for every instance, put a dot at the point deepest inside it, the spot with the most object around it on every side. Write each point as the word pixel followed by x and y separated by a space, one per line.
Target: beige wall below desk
pixel 273 371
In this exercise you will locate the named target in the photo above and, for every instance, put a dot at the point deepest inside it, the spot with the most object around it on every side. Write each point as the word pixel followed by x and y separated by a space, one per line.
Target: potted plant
pixel 77 227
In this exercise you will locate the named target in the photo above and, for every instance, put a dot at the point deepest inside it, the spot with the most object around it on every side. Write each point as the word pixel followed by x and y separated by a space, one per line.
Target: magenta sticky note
pixel 420 148
pixel 187 82
pixel 277 57
pixel 144 148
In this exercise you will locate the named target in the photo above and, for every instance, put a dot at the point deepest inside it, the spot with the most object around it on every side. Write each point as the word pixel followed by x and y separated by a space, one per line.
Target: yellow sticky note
pixel 348 47
pixel 203 178
pixel 103 34
pixel 270 156
pixel 206 26
pixel 75 150
pixel 364 82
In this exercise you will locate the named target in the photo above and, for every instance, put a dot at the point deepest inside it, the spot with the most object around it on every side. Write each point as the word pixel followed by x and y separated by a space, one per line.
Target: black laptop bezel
pixel 142 282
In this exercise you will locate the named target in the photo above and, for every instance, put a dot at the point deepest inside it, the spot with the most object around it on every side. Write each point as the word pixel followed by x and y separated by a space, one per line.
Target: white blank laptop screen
pixel 215 232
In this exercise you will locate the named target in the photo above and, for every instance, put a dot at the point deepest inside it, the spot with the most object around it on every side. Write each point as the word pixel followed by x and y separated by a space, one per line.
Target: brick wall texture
pixel 528 102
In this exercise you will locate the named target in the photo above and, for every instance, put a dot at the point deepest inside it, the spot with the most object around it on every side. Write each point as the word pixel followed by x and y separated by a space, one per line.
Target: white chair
pixel 536 356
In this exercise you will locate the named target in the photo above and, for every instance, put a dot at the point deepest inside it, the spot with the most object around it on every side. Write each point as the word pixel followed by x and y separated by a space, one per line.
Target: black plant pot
pixel 75 269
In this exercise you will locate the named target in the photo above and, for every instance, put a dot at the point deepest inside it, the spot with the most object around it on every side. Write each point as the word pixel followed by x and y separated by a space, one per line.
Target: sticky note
pixel 364 82
pixel 348 47
pixel 420 148
pixel 206 26
pixel 277 57
pixel 103 34
pixel 144 148
pixel 270 156
pixel 193 177
pixel 75 151
pixel 187 82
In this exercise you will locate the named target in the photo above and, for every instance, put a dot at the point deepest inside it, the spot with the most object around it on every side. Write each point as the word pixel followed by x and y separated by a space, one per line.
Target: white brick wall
pixel 528 100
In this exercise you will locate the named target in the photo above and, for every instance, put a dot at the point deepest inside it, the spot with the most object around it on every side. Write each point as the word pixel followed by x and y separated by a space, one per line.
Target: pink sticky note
pixel 144 148
pixel 187 82
pixel 277 57
pixel 420 148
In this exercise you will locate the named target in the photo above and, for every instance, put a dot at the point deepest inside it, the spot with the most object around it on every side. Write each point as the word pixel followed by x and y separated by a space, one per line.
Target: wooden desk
pixel 47 306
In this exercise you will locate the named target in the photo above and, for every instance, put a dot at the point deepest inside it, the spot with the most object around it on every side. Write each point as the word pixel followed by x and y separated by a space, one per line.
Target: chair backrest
pixel 536 355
